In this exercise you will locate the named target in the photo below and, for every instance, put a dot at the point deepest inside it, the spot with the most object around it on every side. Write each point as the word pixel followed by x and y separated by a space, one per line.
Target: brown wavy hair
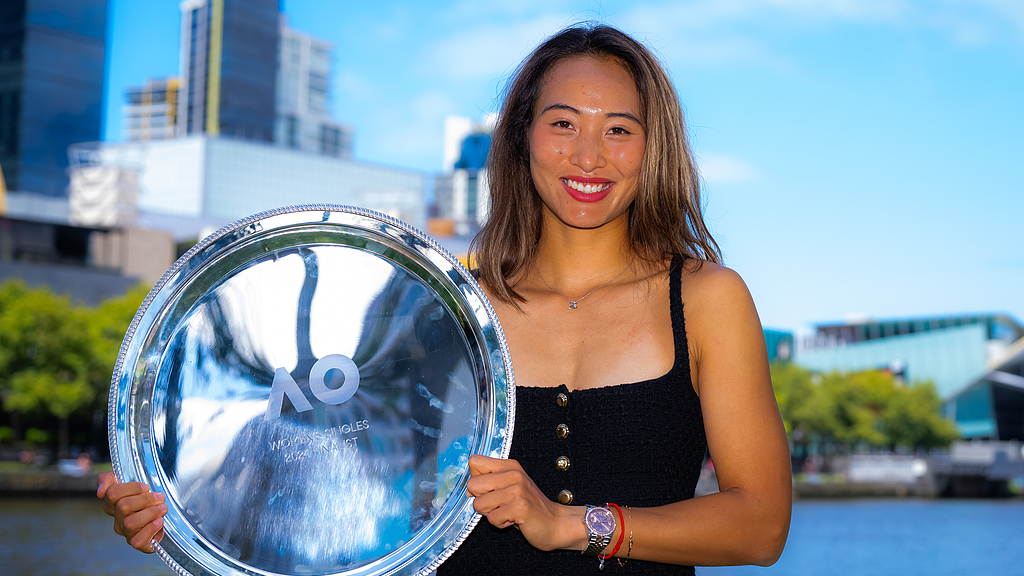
pixel 664 219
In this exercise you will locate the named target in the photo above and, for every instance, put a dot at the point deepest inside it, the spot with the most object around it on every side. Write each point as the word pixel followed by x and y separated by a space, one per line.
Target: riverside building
pixel 975 361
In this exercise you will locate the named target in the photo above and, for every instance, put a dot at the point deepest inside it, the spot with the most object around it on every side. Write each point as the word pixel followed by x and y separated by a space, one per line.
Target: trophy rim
pixel 207 250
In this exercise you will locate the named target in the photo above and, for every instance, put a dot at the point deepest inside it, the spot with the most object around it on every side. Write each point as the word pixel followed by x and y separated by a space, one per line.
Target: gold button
pixel 562 400
pixel 565 497
pixel 562 431
pixel 562 463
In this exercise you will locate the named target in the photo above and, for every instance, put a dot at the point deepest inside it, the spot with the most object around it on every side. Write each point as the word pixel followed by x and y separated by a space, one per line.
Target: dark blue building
pixel 229 69
pixel 51 88
pixel 475 148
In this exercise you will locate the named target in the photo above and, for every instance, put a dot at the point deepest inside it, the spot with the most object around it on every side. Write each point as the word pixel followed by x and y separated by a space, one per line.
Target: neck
pixel 574 260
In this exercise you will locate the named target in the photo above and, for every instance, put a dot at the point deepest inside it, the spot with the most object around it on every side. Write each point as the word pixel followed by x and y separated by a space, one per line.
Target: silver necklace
pixel 573 303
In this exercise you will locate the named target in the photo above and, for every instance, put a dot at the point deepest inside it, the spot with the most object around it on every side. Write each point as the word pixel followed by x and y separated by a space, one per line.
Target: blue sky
pixel 861 157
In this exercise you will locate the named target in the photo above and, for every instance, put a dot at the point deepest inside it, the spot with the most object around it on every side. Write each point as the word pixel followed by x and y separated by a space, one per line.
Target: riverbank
pixel 22 479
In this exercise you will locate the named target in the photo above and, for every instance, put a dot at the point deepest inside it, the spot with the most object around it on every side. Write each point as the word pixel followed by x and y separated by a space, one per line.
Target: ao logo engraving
pixel 284 385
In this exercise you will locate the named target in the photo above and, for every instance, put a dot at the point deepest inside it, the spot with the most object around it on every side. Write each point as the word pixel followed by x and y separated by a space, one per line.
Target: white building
pixel 303 120
pixel 194 184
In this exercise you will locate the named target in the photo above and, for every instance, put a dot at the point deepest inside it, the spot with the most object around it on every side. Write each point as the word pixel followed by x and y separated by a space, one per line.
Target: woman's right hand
pixel 138 513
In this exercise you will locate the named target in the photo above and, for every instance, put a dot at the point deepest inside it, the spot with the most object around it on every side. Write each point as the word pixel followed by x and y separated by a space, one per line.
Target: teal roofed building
pixel 975 362
pixel 779 344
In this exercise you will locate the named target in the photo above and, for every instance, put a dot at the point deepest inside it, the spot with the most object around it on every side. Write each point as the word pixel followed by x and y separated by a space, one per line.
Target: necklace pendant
pixel 572 305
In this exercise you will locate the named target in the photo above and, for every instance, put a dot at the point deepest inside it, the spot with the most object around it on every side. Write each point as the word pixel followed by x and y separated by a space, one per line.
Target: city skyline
pixel 859 159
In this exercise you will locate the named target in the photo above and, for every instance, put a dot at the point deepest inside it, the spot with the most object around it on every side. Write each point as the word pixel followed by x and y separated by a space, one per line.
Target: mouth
pixel 587 188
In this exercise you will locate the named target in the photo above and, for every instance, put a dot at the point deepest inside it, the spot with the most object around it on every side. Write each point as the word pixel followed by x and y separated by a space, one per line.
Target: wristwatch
pixel 600 524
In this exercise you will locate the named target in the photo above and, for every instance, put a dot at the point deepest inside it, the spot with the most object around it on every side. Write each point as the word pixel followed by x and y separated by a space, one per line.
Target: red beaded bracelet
pixel 622 532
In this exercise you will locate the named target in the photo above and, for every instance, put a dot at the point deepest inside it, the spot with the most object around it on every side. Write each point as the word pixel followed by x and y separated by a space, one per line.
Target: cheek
pixel 629 160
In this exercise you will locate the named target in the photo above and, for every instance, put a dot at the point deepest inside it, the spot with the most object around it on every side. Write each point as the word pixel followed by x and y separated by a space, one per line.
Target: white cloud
pixel 723 168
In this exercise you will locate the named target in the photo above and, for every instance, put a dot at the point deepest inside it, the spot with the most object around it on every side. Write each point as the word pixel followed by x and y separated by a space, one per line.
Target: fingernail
pixel 159 497
pixel 162 507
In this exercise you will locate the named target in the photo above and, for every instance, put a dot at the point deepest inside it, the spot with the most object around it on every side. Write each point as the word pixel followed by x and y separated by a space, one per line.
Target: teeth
pixel 585 188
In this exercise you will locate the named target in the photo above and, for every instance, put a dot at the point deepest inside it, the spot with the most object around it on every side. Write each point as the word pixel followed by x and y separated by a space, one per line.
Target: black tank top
pixel 636 445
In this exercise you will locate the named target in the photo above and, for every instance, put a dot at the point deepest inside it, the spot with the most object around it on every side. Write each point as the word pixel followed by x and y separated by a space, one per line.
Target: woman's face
pixel 587 141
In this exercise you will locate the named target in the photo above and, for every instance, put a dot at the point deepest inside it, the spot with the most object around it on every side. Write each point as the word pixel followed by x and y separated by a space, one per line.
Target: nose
pixel 589 153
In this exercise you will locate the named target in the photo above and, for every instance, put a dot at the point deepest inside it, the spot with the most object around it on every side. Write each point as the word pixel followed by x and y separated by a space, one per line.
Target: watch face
pixel 601 521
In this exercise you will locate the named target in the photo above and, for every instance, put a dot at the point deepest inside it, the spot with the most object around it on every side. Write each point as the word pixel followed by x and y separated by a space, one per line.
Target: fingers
pixel 106 480
pixel 485 465
pixel 143 539
pixel 489 474
pixel 134 513
pixel 115 492
pixel 138 513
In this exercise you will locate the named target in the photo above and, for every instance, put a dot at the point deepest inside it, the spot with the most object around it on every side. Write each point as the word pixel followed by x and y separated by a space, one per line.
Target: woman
pixel 594 247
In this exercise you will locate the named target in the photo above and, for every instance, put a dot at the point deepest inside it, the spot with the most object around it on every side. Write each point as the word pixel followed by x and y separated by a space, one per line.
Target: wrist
pixel 573 528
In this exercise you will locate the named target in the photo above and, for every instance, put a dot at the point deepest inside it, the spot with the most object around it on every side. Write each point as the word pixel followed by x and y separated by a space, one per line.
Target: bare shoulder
pixel 722 326
pixel 706 284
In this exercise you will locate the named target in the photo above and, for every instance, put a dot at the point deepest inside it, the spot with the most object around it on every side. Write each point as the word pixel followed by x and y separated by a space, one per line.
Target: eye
pixel 562 124
pixel 619 130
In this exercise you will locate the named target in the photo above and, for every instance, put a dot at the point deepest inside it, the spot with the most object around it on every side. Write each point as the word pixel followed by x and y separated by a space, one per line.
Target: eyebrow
pixel 625 115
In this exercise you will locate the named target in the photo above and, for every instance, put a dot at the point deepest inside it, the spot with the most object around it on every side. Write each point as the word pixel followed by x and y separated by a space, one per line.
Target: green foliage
pixel 37 437
pixel 6 434
pixel 861 408
pixel 47 353
pixel 107 328
pixel 57 358
pixel 914 420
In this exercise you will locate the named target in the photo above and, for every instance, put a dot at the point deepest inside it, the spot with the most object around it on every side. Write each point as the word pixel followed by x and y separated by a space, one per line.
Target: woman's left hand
pixel 506 496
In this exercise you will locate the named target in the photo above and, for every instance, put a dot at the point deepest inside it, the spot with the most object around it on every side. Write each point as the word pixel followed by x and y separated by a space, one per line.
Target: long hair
pixel 665 217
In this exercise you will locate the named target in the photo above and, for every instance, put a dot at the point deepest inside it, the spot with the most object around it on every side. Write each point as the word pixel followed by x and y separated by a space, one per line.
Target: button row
pixel 562 463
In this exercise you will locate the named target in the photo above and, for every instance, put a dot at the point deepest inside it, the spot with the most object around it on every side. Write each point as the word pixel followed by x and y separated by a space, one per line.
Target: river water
pixel 72 537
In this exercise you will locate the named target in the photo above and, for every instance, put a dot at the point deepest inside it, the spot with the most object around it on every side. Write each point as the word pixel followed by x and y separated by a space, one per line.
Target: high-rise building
pixel 462 193
pixel 229 52
pixel 152 110
pixel 51 88
pixel 303 116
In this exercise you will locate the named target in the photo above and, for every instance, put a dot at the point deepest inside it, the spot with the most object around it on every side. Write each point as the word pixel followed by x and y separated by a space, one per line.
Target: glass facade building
pixel 228 67
pixel 51 87
pixel 303 117
pixel 152 110
pixel 975 361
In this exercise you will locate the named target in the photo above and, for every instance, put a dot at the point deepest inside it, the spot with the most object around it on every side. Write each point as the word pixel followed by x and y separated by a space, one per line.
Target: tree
pixel 861 408
pixel 912 418
pixel 47 355
pixel 107 328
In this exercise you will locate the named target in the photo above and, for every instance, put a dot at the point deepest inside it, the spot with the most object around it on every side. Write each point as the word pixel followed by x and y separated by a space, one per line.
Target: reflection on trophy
pixel 307 387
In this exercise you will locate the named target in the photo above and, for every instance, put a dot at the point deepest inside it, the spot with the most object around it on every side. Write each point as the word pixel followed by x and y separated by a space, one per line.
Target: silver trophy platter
pixel 306 387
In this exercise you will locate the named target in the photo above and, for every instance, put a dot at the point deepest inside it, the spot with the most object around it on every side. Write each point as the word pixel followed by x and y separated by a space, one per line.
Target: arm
pixel 748 521
pixel 138 513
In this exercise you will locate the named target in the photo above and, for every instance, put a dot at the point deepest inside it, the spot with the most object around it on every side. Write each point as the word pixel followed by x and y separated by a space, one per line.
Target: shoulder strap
pixel 675 287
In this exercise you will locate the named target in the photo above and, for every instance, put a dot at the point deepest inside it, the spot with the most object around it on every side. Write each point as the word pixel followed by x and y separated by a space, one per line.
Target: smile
pixel 586 188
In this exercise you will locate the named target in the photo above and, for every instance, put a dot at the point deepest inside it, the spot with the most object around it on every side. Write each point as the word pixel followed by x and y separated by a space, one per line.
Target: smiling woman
pixel 595 196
